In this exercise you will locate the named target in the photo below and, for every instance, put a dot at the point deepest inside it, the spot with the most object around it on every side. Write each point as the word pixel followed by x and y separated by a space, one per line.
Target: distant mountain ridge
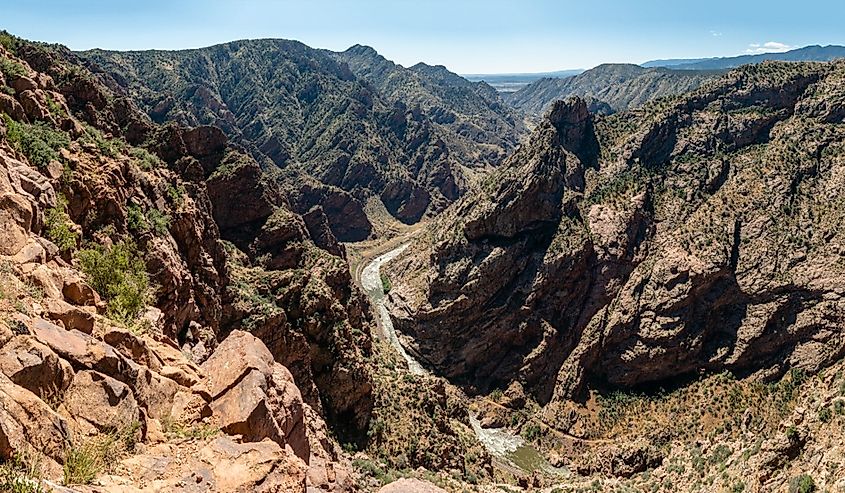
pixel 480 127
pixel 609 87
pixel 814 53
pixel 332 127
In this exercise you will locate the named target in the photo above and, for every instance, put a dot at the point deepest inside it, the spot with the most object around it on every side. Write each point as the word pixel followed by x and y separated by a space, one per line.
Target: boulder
pixel 35 367
pixel 32 252
pixel 26 421
pixel 15 221
pixel 253 396
pixel 22 84
pixel 189 406
pixel 101 402
pixel 43 276
pixel 152 391
pixel 410 485
pixel 70 316
pixel 76 291
pixel 33 106
pixel 492 415
pixel 220 466
pixel 514 396
pixel 80 349
pixel 11 107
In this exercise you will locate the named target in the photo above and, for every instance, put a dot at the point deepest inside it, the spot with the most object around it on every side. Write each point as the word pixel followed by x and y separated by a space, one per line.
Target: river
pixel 500 442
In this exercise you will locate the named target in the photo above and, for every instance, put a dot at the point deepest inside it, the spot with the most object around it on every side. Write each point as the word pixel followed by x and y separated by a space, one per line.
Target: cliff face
pixel 353 132
pixel 478 127
pixel 695 234
pixel 140 263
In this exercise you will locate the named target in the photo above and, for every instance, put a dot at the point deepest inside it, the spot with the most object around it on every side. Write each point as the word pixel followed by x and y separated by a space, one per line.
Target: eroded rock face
pixel 406 485
pixel 254 396
pixel 26 421
pixel 699 236
pixel 223 465
pixel 71 373
pixel 100 401
pixel 35 367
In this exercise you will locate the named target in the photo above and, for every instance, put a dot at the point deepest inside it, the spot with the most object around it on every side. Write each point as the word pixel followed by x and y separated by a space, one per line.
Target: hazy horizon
pixel 469 37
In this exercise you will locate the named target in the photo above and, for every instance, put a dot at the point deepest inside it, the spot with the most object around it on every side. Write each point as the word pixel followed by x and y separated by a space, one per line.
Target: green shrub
pixel 11 69
pixel 57 223
pixel 531 431
pixel 720 454
pixel 160 223
pixel 54 107
pixel 9 42
pixel 385 283
pixel 38 142
pixel 176 193
pixel 118 273
pixel 144 158
pixel 85 460
pixel 107 147
pixel 22 473
pixel 175 429
pixel 135 219
pixel 802 484
pixel 825 414
pixel 153 220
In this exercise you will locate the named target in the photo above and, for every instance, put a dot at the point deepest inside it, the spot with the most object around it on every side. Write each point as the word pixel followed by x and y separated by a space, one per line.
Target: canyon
pixel 260 266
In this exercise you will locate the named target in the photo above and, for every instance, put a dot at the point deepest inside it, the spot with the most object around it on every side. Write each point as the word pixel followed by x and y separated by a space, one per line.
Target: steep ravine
pixel 500 442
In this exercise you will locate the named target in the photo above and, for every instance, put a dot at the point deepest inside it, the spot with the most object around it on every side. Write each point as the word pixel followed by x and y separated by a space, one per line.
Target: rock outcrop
pixel 700 235
pixel 94 357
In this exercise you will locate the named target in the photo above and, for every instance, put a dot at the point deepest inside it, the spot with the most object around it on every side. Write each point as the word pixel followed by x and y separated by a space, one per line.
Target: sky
pixel 467 36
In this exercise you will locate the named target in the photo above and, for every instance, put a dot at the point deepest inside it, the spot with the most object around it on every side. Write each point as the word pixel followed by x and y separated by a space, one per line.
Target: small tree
pixel 119 275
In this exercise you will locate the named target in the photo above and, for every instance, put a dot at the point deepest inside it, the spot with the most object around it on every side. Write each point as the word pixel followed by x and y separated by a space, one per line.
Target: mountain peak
pixel 359 49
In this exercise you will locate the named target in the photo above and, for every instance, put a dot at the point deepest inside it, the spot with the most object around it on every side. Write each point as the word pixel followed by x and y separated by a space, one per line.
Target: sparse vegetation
pixel 385 283
pixel 107 146
pixel 802 484
pixel 144 158
pixel 22 473
pixel 176 194
pixel 87 458
pixel 58 226
pixel 39 142
pixel 135 219
pixel 11 69
pixel 118 273
pixel 175 429
pixel 159 222
pixel 54 107
pixel 9 42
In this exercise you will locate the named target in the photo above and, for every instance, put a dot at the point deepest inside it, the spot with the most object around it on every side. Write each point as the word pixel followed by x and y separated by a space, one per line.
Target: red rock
pixel 35 367
pixel 26 421
pixel 78 292
pixel 70 316
pixel 22 84
pixel 99 401
pixel 15 221
pixel 410 485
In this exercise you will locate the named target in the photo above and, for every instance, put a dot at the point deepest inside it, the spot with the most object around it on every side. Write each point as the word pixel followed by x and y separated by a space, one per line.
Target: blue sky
pixel 468 36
